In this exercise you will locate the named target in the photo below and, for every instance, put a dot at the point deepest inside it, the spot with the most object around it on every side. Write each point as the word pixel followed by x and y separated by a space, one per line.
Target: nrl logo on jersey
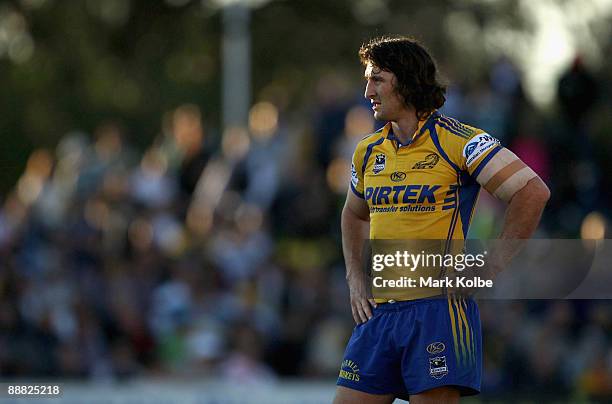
pixel 379 163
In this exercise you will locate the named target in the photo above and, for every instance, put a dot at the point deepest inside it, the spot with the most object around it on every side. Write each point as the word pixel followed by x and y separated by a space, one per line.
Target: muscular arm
pixel 521 220
pixel 509 179
pixel 355 231
pixel 525 210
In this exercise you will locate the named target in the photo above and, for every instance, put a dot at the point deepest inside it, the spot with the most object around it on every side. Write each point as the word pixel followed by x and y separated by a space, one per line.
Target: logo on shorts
pixel 349 370
pixel 437 367
pixel 430 161
pixel 379 163
pixel 436 347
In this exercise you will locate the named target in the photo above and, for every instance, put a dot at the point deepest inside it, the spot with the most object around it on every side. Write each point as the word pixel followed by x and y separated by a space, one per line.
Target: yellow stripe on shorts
pixel 461 333
pixel 464 320
pixel 451 313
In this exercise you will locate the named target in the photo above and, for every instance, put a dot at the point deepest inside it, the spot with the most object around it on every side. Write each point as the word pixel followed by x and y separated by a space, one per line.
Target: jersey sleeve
pixel 494 167
pixel 477 153
pixel 357 172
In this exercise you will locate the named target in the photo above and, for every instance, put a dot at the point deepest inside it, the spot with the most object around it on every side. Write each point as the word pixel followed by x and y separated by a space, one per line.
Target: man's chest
pixel 408 176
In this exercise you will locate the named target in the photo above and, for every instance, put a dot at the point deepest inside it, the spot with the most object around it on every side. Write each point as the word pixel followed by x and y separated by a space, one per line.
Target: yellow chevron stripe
pixel 463 351
pixel 473 342
pixel 468 338
pixel 451 314
pixel 472 339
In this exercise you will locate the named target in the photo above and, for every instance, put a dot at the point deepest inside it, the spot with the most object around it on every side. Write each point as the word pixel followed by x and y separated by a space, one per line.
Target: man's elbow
pixel 346 213
pixel 349 213
pixel 535 193
pixel 539 193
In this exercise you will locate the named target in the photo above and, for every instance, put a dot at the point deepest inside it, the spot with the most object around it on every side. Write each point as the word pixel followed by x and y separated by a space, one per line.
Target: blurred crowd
pixel 217 255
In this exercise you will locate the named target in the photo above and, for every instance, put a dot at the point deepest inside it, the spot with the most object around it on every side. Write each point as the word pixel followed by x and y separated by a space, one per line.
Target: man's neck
pixel 404 128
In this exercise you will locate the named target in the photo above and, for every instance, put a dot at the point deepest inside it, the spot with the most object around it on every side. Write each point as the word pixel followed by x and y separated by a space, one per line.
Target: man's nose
pixel 369 90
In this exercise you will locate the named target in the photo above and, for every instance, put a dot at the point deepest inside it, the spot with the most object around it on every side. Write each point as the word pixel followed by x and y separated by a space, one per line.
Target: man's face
pixel 387 104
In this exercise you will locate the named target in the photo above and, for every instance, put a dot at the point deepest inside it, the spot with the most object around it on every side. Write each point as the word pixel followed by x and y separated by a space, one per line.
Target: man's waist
pixel 406 295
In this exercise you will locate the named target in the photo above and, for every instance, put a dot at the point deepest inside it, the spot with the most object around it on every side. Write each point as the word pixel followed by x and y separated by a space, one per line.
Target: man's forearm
pixel 523 215
pixel 354 233
pixel 525 211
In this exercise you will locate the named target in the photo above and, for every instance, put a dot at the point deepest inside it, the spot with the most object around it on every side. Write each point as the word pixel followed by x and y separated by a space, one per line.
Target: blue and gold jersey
pixel 426 189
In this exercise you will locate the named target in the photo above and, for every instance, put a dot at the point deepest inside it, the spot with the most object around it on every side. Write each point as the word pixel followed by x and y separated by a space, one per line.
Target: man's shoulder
pixel 370 139
pixel 452 130
pixel 461 142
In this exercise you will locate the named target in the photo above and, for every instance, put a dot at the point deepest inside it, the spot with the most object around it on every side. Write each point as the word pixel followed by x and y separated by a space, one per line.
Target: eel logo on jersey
pixel 379 163
pixel 349 370
pixel 436 347
pixel 437 367
pixel 430 161
pixel 477 146
pixel 398 176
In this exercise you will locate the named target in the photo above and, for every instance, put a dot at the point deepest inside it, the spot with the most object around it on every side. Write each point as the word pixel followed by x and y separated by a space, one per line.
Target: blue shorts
pixel 412 346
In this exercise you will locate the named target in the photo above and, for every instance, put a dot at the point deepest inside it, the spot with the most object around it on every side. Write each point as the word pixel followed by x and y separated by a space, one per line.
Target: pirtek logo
pixel 398 176
pixel 409 194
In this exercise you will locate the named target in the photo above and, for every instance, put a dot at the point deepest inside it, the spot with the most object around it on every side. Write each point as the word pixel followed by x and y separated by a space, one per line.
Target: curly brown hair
pixel 413 67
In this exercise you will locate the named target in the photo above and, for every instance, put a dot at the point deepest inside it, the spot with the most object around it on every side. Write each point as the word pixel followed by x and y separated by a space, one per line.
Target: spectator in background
pixel 578 92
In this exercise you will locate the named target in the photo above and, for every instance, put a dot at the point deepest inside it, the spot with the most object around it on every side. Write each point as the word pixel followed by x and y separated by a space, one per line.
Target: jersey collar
pixel 421 127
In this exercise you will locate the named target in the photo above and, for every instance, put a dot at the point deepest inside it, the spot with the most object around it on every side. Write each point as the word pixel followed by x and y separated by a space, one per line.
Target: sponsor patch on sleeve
pixel 354 178
pixel 477 146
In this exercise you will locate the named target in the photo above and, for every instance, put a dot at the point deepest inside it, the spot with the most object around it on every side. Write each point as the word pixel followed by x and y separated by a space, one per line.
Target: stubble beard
pixel 380 116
